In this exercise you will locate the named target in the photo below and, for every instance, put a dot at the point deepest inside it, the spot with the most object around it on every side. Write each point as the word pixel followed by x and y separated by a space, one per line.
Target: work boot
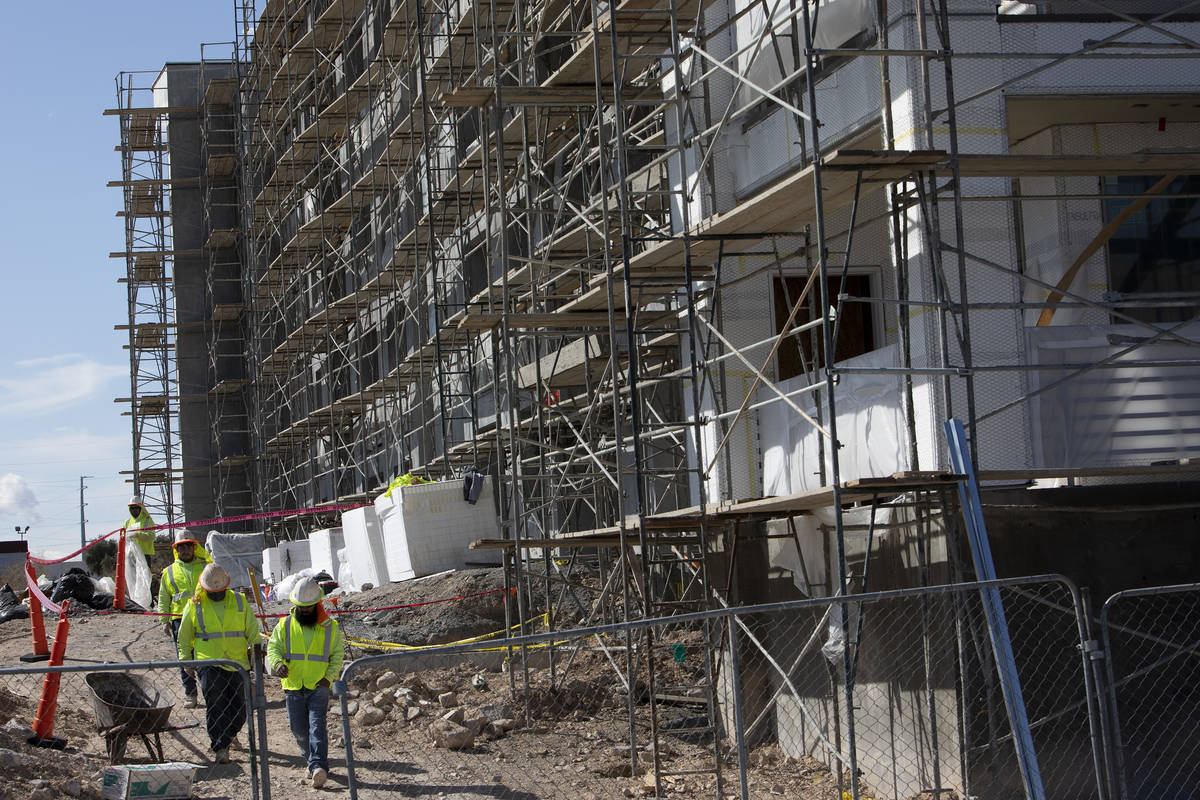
pixel 318 777
pixel 190 701
pixel 221 756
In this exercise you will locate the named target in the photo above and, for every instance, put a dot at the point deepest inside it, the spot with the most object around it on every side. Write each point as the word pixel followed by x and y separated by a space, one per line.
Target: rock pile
pixel 458 719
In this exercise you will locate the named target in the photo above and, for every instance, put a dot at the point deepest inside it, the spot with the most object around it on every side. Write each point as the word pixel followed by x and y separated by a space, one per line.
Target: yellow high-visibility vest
pixel 145 539
pixel 183 578
pixel 221 630
pixel 306 667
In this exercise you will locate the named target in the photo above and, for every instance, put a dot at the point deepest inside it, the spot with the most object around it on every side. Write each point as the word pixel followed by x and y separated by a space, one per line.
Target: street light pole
pixel 82 521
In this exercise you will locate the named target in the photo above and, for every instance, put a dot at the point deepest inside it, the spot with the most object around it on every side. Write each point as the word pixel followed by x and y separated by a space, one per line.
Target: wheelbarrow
pixel 129 705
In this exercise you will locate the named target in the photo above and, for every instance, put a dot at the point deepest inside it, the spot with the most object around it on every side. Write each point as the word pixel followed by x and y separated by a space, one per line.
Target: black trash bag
pixel 101 601
pixel 133 607
pixel 10 605
pixel 75 584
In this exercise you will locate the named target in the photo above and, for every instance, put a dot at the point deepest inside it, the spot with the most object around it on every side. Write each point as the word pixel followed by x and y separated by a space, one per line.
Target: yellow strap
pixel 481 638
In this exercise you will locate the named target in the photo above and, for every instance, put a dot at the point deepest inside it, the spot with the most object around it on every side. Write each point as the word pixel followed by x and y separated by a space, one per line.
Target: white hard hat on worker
pixel 214 578
pixel 306 592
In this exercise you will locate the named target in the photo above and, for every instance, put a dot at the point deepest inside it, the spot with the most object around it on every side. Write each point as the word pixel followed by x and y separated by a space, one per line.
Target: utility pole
pixel 82 521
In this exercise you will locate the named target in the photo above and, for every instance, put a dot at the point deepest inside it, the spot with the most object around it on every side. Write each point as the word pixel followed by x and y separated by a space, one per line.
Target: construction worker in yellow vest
pixel 218 623
pixel 135 527
pixel 178 584
pixel 305 651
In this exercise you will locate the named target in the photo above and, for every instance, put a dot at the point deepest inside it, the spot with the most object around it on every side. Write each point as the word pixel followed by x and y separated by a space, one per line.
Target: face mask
pixel 306 615
pixel 216 597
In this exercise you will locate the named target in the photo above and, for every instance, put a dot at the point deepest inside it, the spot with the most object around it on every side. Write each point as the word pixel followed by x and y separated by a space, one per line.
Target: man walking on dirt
pixel 218 623
pixel 179 583
pixel 305 651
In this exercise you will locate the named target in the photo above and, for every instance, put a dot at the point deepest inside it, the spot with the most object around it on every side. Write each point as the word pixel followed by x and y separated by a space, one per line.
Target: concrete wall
pixel 210 426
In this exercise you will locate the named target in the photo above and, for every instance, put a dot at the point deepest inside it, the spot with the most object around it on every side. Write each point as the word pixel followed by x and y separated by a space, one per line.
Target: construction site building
pixel 687 277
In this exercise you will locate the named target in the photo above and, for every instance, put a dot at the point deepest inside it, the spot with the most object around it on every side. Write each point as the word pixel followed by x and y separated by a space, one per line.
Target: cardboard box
pixel 164 781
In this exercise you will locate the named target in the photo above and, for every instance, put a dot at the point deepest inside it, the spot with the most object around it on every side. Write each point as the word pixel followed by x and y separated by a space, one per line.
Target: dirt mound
pixel 473 605
pixel 39 773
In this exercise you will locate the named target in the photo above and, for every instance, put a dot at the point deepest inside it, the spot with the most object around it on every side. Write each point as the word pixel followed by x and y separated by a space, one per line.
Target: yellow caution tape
pixel 481 638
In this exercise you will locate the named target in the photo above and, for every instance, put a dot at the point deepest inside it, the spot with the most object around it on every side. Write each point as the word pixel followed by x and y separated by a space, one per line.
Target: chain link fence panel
pixel 781 700
pixel 134 714
pixel 1151 640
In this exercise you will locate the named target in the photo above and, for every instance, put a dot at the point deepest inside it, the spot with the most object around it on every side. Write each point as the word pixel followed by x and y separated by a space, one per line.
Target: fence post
pixel 1117 753
pixel 339 691
pixel 260 717
pixel 735 679
pixel 1094 653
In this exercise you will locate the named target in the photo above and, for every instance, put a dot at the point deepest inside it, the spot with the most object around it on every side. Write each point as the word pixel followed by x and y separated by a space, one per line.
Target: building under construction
pixel 696 282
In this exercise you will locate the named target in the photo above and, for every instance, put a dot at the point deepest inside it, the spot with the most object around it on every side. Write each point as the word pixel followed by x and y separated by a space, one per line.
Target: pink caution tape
pixel 45 601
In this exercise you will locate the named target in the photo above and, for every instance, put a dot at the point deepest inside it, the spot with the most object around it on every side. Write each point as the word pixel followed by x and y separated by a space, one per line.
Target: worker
pixel 178 584
pixel 218 623
pixel 305 651
pixel 136 528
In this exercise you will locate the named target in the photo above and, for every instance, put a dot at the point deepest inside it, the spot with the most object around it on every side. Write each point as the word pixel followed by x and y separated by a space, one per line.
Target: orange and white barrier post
pixel 41 650
pixel 43 724
pixel 119 594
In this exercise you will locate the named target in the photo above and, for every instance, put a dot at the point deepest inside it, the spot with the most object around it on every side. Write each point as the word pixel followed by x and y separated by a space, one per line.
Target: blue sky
pixel 63 363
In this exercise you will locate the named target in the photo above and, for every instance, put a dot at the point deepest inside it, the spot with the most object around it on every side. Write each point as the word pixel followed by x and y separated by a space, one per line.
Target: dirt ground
pixel 566 734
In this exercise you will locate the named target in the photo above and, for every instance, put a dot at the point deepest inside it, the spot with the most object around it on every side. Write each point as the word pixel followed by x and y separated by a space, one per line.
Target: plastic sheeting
pixel 137 575
pixel 345 572
pixel 235 553
pixel 10 605
pixel 284 588
pixel 870 425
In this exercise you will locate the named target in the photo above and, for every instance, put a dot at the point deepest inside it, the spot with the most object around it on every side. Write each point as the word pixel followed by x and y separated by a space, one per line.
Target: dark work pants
pixel 224 705
pixel 189 682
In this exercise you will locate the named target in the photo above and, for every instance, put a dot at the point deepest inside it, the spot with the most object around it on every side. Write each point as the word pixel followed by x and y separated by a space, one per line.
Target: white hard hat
pixel 184 535
pixel 213 578
pixel 306 593
pixel 136 500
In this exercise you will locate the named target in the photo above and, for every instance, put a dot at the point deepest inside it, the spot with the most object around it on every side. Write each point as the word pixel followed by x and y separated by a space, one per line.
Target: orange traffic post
pixel 43 724
pixel 41 651
pixel 119 594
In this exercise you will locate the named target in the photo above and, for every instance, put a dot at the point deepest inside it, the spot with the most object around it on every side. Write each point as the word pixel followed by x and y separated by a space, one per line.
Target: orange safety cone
pixel 41 651
pixel 43 724
pixel 119 594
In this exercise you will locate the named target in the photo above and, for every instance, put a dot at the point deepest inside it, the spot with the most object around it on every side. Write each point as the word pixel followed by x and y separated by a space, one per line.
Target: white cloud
pixel 40 386
pixel 18 503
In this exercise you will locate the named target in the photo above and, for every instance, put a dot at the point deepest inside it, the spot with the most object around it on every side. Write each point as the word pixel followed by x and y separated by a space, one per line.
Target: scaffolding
pixel 148 254
pixel 533 238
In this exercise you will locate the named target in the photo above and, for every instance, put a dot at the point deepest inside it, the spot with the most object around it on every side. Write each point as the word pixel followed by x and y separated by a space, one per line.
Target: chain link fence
pixel 1151 640
pixel 888 695
pixel 134 715
pixel 902 689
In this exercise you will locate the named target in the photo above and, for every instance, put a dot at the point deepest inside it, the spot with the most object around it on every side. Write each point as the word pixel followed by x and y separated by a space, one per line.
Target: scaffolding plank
pixel 150 111
pixel 482 322
pixel 559 95
pixel 1033 166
